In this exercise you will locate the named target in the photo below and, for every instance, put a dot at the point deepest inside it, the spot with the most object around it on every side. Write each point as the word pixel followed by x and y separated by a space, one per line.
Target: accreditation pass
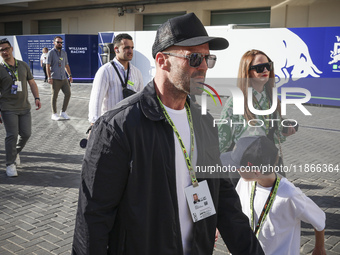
pixel 200 202
pixel 18 83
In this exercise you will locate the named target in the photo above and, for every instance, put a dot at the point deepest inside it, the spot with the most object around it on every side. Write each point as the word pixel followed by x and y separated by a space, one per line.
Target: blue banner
pixel 319 61
pixel 81 51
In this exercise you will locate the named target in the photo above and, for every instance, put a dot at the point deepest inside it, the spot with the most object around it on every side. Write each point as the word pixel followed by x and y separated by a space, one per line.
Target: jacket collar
pixel 149 103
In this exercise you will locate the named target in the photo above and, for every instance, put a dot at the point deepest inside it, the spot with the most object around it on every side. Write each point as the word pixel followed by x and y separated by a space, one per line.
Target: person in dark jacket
pixel 137 171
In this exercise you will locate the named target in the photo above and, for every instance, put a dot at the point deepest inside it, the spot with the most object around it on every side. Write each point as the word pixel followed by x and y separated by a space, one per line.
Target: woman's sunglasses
pixel 260 68
pixel 195 59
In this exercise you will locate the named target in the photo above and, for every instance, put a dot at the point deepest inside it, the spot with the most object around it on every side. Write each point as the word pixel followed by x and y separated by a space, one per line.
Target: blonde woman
pixel 43 61
pixel 256 70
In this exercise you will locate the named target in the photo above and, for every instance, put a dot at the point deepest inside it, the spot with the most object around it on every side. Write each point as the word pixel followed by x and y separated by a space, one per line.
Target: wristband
pixel 49 78
pixel 70 75
pixel 37 98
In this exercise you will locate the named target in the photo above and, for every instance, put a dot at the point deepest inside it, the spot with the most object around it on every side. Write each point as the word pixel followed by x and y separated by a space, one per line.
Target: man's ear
pixel 162 61
pixel 116 49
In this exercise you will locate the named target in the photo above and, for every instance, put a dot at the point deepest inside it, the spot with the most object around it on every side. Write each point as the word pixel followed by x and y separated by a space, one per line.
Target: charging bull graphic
pixel 335 55
pixel 297 59
pixel 287 50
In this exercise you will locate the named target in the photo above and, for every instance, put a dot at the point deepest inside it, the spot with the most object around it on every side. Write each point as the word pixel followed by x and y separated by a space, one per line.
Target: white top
pixel 280 233
pixel 43 57
pixel 107 89
pixel 183 180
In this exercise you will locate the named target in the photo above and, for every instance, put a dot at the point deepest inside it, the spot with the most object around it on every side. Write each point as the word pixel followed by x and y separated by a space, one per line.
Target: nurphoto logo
pixel 238 105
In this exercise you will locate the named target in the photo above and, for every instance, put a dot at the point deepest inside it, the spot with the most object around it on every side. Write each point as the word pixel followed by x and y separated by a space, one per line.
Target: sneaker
pixel 55 117
pixel 17 160
pixel 64 115
pixel 11 170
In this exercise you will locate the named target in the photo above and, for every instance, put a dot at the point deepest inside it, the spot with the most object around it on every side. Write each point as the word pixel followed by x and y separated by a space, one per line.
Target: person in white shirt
pixel 43 61
pixel 274 206
pixel 107 89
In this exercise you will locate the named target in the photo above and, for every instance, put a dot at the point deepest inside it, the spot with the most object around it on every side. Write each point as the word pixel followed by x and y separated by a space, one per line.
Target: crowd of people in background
pixel 139 193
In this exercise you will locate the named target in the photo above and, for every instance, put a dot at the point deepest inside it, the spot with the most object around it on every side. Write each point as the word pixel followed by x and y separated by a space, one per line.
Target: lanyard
pixel 188 158
pixel 266 207
pixel 124 84
pixel 16 76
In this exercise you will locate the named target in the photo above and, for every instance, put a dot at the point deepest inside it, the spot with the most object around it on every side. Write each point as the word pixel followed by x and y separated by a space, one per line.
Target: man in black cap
pixel 138 179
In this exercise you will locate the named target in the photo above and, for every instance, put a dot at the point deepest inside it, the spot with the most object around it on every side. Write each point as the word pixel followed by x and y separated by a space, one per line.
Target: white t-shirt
pixel 43 57
pixel 183 180
pixel 280 232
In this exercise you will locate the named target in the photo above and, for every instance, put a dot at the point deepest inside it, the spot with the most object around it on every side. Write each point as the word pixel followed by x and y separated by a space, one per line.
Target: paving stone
pixel 32 243
pixel 336 248
pixel 17 240
pixel 4 238
pixel 63 249
pixel 41 252
pixel 12 247
pixel 332 240
pixel 28 251
pixel 25 226
pixel 51 238
pixel 47 246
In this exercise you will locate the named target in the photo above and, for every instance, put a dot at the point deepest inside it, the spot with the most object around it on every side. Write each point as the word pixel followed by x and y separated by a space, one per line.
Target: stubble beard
pixel 185 84
pixel 182 82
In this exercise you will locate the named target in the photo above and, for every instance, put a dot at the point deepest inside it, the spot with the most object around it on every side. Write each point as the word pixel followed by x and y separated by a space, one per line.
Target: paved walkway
pixel 37 209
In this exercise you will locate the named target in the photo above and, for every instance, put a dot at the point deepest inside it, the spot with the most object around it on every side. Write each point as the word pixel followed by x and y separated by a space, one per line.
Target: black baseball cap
pixel 185 30
pixel 251 151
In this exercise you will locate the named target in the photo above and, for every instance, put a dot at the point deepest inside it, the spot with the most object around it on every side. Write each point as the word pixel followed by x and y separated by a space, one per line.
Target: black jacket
pixel 127 199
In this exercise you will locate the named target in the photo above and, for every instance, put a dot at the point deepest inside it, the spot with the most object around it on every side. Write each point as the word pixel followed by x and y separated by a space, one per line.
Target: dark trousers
pixel 44 68
pixel 17 124
pixel 65 87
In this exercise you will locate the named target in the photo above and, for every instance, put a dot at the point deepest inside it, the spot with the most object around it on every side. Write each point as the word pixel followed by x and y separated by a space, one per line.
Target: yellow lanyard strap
pixel 187 158
pixel 9 70
pixel 266 207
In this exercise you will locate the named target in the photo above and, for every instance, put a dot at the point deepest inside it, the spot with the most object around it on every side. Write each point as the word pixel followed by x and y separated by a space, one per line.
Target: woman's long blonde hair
pixel 244 81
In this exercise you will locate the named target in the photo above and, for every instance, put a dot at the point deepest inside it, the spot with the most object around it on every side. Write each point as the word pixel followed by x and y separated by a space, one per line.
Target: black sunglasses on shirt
pixel 260 68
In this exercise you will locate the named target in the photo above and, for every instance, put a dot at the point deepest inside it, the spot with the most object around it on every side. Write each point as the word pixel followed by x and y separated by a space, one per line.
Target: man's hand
pixel 291 131
pixel 320 251
pixel 50 81
pixel 217 233
pixel 70 79
pixel 37 104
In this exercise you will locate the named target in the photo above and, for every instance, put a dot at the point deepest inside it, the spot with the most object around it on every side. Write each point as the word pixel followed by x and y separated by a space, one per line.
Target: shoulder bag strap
pixel 124 84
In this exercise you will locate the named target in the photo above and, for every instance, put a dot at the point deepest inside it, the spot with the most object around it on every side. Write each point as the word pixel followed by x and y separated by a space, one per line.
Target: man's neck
pixel 172 100
pixel 10 61
pixel 267 180
pixel 57 49
pixel 124 63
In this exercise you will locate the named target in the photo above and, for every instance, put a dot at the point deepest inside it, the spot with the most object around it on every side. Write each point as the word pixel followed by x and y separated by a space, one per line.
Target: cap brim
pixel 227 160
pixel 215 43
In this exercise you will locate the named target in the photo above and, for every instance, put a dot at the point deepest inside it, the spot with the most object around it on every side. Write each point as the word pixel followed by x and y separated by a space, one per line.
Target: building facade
pixel 20 17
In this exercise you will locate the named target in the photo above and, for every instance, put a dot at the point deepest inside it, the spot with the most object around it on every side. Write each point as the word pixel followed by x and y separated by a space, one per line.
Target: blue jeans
pixel 17 124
